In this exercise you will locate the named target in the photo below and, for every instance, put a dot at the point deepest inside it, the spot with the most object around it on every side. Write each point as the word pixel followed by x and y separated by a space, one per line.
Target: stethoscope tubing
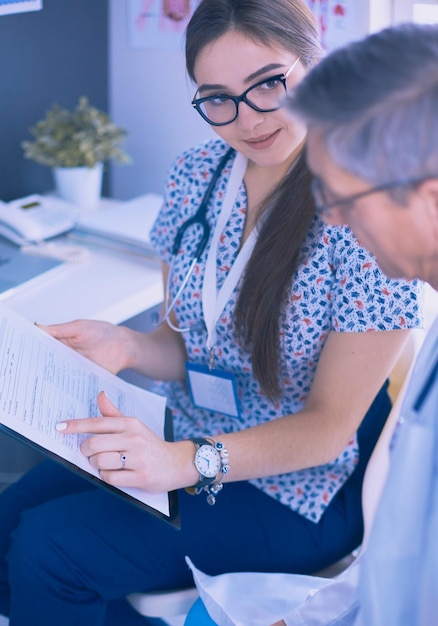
pixel 199 219
pixel 171 306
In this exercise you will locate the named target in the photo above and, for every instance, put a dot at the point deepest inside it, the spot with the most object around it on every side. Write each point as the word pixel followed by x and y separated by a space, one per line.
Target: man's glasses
pixel 222 109
pixel 323 205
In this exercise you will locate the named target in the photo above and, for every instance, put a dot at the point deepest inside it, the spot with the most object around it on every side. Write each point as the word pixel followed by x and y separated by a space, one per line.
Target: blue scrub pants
pixel 70 551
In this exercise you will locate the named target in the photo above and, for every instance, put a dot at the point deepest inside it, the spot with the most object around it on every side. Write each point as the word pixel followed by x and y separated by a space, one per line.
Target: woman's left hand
pixel 126 452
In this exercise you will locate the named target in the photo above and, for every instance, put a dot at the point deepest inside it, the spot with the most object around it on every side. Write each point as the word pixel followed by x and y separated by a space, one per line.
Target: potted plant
pixel 76 144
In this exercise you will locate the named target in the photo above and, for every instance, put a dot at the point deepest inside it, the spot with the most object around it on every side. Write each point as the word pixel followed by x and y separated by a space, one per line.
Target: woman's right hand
pixel 101 342
pixel 159 354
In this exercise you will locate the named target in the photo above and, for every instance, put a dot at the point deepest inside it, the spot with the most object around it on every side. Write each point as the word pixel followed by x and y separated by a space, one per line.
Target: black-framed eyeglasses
pixel 323 205
pixel 222 109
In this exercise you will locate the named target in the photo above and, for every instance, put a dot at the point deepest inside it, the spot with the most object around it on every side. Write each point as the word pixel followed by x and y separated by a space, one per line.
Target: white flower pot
pixel 80 185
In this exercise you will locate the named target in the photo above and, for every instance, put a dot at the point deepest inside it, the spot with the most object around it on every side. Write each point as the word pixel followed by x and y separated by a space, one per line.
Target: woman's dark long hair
pixel 288 212
pixel 267 278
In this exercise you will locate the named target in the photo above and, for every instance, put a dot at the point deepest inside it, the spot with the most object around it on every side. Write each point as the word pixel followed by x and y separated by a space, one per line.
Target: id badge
pixel 214 390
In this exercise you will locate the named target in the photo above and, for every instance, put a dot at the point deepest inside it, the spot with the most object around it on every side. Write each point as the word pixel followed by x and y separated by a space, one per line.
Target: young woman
pixel 273 313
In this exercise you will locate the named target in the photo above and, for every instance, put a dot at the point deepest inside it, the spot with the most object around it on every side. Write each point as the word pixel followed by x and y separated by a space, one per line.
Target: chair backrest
pixel 378 464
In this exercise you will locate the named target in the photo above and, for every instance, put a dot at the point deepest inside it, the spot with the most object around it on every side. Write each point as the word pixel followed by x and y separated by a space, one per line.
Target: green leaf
pixel 79 138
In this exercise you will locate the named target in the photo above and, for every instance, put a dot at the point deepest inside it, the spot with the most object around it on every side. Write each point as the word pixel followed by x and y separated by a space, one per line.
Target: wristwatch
pixel 207 461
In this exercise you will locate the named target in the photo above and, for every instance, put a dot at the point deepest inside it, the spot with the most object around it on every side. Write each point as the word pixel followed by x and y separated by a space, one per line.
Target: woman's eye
pixel 218 100
pixel 270 84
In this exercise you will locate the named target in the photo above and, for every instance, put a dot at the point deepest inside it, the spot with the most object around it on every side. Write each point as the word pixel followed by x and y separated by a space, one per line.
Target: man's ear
pixel 428 191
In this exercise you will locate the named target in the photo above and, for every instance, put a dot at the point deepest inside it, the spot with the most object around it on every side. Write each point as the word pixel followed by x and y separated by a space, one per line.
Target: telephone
pixel 34 218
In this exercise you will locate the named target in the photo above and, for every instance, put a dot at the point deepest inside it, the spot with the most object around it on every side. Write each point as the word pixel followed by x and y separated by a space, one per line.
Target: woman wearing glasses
pixel 263 350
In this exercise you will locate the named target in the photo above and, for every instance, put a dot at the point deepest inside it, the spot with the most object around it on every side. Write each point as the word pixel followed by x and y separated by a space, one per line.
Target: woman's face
pixel 232 64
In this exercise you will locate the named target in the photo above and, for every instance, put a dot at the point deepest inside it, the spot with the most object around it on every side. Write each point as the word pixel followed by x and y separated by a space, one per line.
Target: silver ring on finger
pixel 123 459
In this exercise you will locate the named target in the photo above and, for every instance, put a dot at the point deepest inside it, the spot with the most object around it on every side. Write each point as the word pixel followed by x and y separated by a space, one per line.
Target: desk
pixel 104 285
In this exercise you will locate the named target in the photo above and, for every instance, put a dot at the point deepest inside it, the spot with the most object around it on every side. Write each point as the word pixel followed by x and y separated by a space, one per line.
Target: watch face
pixel 208 461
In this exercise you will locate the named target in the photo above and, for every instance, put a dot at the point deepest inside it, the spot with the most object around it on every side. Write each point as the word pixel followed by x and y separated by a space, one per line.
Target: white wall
pixel 150 96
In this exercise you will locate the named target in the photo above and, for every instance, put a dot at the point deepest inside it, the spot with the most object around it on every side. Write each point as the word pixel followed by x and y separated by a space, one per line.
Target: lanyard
pixel 214 301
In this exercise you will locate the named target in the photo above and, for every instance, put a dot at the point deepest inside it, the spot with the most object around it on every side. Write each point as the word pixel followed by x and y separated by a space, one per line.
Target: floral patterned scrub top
pixel 337 287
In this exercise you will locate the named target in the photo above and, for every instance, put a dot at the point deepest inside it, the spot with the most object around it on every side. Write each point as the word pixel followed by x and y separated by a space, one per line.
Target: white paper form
pixel 42 382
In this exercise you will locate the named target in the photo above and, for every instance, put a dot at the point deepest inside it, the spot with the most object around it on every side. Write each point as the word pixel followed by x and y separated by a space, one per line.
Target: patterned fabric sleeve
pixel 364 298
pixel 185 187
pixel 165 228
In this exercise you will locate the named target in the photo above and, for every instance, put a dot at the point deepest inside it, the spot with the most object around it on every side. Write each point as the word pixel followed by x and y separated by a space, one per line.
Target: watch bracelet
pixel 215 487
pixel 224 457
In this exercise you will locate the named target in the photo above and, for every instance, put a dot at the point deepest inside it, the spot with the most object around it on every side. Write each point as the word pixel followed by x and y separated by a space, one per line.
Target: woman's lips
pixel 263 142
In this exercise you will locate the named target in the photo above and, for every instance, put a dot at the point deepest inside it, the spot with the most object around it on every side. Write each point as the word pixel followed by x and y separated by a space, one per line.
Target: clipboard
pixel 42 381
pixel 173 519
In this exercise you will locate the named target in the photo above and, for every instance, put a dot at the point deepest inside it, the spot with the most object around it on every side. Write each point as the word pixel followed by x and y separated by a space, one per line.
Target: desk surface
pixel 104 285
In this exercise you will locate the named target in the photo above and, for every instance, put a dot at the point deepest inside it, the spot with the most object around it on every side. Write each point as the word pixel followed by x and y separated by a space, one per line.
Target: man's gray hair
pixel 376 104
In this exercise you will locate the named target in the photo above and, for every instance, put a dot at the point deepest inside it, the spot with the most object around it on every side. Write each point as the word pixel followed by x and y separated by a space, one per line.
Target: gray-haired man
pixel 372 114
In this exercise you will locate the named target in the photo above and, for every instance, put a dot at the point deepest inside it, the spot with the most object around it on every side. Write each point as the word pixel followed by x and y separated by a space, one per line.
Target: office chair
pixel 172 606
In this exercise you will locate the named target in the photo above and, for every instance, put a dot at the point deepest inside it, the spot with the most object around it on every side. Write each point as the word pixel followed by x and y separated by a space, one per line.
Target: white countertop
pixel 104 285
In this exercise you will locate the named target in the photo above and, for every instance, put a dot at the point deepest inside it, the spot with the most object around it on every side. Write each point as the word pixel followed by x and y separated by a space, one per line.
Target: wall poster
pixel 19 6
pixel 336 21
pixel 159 23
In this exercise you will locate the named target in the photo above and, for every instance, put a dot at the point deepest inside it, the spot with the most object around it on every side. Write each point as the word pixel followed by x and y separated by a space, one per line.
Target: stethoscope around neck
pixel 198 219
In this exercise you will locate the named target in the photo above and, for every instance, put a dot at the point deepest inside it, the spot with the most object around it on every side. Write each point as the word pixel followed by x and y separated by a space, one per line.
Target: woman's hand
pixel 101 342
pixel 128 454
pixel 159 354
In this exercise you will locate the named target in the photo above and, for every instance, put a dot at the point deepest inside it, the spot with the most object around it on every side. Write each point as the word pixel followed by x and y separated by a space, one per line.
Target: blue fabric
pixel 198 616
pixel 70 552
